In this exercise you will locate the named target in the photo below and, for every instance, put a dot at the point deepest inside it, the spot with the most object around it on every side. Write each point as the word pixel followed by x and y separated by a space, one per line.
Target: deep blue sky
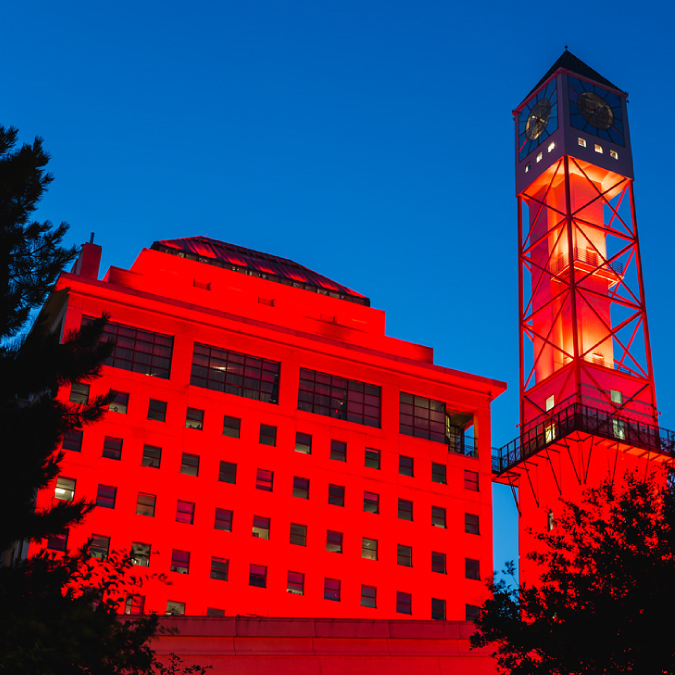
pixel 371 141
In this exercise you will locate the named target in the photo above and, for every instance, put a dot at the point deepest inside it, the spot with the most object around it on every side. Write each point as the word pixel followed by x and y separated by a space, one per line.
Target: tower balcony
pixel 587 261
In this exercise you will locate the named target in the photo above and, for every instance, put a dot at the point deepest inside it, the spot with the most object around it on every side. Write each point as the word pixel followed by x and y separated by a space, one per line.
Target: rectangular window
pixel 79 393
pixel 152 456
pixel 438 516
pixel 214 611
pixel 331 589
pixel 472 612
pixel 106 496
pixel 268 435
pixel 405 509
pixel 301 487
pixel 371 502
pixel 173 607
pixel 404 555
pixel 223 520
pixel 261 527
pixel 471 480
pixel 471 523
pixel 339 397
pixel 369 548
pixel 227 473
pixel 72 440
pixel 65 489
pixel 180 561
pixel 372 458
pixel 194 419
pixel 219 568
pixel 298 534
pixel 368 596
pixel 406 466
pixel 334 541
pixel 403 603
pixel 438 562
pixel 439 473
pixel 134 604
pixel 119 403
pixel 112 448
pixel 157 410
pixel 189 464
pixel 472 569
pixel 57 542
pixel 422 417
pixel 235 373
pixel 437 609
pixel 295 583
pixel 303 443
pixel 231 427
pixel 99 546
pixel 264 480
pixel 336 495
pixel 145 506
pixel 257 576
pixel 185 512
pixel 140 554
pixel 338 451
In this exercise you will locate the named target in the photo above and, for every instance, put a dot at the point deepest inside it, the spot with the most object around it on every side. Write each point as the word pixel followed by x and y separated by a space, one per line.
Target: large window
pixel 425 418
pixel 234 373
pixel 338 397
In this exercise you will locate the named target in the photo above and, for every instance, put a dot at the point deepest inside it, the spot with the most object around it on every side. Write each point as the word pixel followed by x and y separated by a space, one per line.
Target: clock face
pixel 596 111
pixel 537 120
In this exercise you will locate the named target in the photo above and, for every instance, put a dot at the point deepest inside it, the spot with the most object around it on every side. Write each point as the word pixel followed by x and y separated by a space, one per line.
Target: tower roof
pixel 255 263
pixel 570 62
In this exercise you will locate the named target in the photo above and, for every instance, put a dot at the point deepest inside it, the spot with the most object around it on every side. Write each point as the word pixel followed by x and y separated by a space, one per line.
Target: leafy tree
pixel 607 583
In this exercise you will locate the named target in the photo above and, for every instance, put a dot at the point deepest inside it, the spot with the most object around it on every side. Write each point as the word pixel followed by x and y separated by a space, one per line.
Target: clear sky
pixel 371 141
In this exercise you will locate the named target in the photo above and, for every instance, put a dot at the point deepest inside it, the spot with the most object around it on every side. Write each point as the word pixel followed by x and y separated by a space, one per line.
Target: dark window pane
pixel 295 583
pixel 152 456
pixel 438 473
pixel 336 495
pixel 257 576
pixel 472 569
pixel 372 458
pixel 145 506
pixel 268 435
pixel 180 561
pixel 471 480
pixel 301 487
pixel 438 562
pixel 334 542
pixel 99 546
pixel 331 589
pixel 405 466
pixel 403 603
pixel 471 523
pixel 57 542
pixel 303 443
pixel 194 418
pixel 338 451
pixel 223 520
pixel 72 440
pixel 185 512
pixel 79 393
pixel 405 509
pixel 368 596
pixel 157 410
pixel 261 527
pixel 227 472
pixel 438 516
pixel 219 568
pixel 404 555
pixel 231 427
pixel 189 464
pixel 214 611
pixel 298 534
pixel 105 496
pixel 175 607
pixel 119 402
pixel 437 609
pixel 112 448
pixel 371 502
pixel 472 612
pixel 264 480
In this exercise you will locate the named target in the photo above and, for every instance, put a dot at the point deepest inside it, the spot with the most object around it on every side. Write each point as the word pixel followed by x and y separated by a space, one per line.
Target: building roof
pixel 255 263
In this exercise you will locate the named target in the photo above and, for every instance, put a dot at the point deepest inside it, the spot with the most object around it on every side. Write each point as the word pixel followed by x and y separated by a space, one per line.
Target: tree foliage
pixel 601 605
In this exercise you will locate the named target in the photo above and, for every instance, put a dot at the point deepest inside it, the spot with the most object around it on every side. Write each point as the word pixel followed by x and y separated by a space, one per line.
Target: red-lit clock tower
pixel 587 399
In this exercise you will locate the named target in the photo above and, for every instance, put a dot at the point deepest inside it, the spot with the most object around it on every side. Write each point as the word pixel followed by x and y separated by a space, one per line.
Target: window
pixel 145 506
pixel 157 410
pixel 174 607
pixel 140 554
pixel 234 373
pixel 339 397
pixel 369 548
pixel 472 569
pixel 152 456
pixel 471 480
pixel 194 418
pixel 119 403
pixel 268 435
pixel 298 534
pixel 404 555
pixel 439 473
pixel 65 489
pixel 614 154
pixel 472 612
pixel 185 512
pixel 57 542
pixel 372 458
pixel 72 440
pixel 371 502
pixel 295 583
pixel 405 466
pixel 438 562
pixel 219 568
pixel 214 611
pixel 368 596
pixel 264 480
pixel 437 609
pixel 303 443
pixel 79 393
pixel 223 520
pixel 334 541
pixel 189 464
pixel 581 142
pixel 261 527
pixel 231 426
pixel 227 473
pixel 422 417
pixel 99 546
pixel 405 509
pixel 257 576
pixel 598 148
pixel 403 603
pixel 301 487
pixel 331 589
pixel 180 561
pixel 106 496
pixel 338 451
pixel 134 604
pixel 438 516
pixel 471 523
pixel 112 448
pixel 336 495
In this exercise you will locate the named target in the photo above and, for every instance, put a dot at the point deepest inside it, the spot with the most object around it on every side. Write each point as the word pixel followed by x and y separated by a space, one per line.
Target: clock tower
pixel 587 401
